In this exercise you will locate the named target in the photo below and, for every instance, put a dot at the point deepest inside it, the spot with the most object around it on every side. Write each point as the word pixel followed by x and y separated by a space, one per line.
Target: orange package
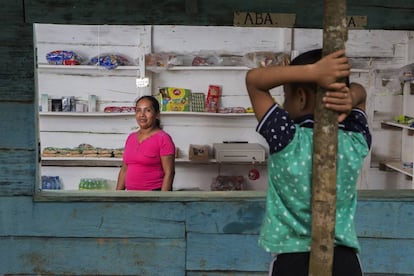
pixel 213 98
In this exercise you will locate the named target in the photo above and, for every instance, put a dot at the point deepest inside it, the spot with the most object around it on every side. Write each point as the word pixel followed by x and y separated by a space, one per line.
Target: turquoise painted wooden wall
pixel 181 234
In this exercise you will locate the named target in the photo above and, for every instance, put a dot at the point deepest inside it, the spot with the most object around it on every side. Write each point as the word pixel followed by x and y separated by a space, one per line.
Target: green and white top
pixel 287 222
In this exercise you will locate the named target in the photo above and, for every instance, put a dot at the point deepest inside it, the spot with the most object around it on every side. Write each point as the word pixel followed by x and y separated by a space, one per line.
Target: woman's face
pixel 145 114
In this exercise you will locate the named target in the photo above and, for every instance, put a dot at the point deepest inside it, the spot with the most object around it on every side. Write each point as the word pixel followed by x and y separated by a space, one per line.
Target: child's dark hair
pixel 155 104
pixel 309 57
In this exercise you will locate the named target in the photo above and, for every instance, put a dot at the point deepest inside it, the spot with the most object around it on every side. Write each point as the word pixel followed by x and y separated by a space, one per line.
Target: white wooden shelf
pixel 398 166
pixel 86 114
pixel 85 67
pixel 206 114
pixel 164 113
pixel 219 68
pixel 117 162
pixel 81 161
pixel 398 125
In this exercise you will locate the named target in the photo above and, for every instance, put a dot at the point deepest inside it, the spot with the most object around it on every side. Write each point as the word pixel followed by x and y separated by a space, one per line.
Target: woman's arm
pixel 120 185
pixel 168 166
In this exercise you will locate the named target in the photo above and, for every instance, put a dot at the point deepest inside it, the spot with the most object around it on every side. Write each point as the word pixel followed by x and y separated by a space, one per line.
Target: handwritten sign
pixel 357 22
pixel 264 19
pixel 285 20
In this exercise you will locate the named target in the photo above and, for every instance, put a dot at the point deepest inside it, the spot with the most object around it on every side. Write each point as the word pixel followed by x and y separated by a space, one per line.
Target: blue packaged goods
pixel 109 61
pixel 51 182
pixel 62 57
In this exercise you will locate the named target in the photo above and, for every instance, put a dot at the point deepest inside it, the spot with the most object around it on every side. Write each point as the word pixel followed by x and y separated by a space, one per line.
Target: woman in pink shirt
pixel 149 153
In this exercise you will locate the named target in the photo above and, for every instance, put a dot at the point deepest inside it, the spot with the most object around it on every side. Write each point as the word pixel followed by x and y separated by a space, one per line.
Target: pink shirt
pixel 144 160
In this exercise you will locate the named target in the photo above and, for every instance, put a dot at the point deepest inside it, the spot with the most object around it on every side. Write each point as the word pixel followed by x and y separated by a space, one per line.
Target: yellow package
pixel 175 99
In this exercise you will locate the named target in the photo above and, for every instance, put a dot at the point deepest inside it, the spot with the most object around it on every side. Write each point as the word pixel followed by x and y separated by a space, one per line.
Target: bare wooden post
pixel 325 146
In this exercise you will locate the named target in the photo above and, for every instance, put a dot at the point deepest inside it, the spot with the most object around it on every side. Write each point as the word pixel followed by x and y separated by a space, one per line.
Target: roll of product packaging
pixel 92 103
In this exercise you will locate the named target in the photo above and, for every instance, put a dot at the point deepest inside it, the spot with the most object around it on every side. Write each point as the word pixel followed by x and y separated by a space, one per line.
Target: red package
pixel 213 97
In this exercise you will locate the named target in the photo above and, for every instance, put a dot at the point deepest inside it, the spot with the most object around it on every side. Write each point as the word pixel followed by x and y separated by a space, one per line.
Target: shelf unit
pixel 404 165
pixel 118 87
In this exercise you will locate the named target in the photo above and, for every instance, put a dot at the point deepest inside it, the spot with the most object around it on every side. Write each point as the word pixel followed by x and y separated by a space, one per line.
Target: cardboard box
pixel 175 99
pixel 198 152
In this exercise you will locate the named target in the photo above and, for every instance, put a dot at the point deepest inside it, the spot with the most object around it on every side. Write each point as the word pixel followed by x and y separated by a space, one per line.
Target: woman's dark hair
pixel 155 104
pixel 309 57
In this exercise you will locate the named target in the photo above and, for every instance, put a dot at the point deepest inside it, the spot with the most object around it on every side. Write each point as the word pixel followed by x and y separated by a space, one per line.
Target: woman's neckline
pixel 143 135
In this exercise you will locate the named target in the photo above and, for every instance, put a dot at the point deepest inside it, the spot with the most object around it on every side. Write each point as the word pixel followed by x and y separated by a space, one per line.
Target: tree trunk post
pixel 325 147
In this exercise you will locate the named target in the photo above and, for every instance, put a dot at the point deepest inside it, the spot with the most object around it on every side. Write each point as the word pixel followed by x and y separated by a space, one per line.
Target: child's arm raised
pixel 343 99
pixel 325 72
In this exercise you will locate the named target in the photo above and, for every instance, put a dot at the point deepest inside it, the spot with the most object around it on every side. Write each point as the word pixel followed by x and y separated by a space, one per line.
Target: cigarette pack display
pixel 197 102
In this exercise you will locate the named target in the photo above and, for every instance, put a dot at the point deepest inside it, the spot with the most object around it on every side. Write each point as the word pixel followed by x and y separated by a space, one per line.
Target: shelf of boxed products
pixel 85 67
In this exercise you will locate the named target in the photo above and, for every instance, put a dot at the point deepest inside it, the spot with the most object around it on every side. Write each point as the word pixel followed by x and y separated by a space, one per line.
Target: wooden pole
pixel 325 147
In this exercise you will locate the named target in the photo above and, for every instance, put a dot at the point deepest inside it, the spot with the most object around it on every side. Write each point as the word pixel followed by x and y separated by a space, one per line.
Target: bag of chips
pixel 109 61
pixel 62 57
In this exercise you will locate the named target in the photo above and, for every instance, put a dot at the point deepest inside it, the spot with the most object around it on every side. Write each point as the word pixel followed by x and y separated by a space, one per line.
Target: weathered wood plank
pixel 92 256
pixel 387 256
pixel 212 252
pixel 229 273
pixel 17 66
pixel 11 12
pixel 148 196
pixel 385 219
pixel 17 126
pixel 225 217
pixel 18 171
pixel 99 220
pixel 381 15
pixel 15 34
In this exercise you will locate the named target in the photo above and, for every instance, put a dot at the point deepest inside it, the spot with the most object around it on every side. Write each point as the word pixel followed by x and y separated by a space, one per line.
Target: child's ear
pixel 302 98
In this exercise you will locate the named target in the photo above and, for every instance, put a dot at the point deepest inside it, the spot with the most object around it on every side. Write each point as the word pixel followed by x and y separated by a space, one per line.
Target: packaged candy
pixel 264 59
pixel 62 57
pixel 197 102
pixel 109 61
pixel 157 62
pixel 227 183
pixel 213 98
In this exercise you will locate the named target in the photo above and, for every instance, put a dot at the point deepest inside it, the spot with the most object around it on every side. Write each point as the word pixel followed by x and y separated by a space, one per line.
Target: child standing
pixel 288 130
